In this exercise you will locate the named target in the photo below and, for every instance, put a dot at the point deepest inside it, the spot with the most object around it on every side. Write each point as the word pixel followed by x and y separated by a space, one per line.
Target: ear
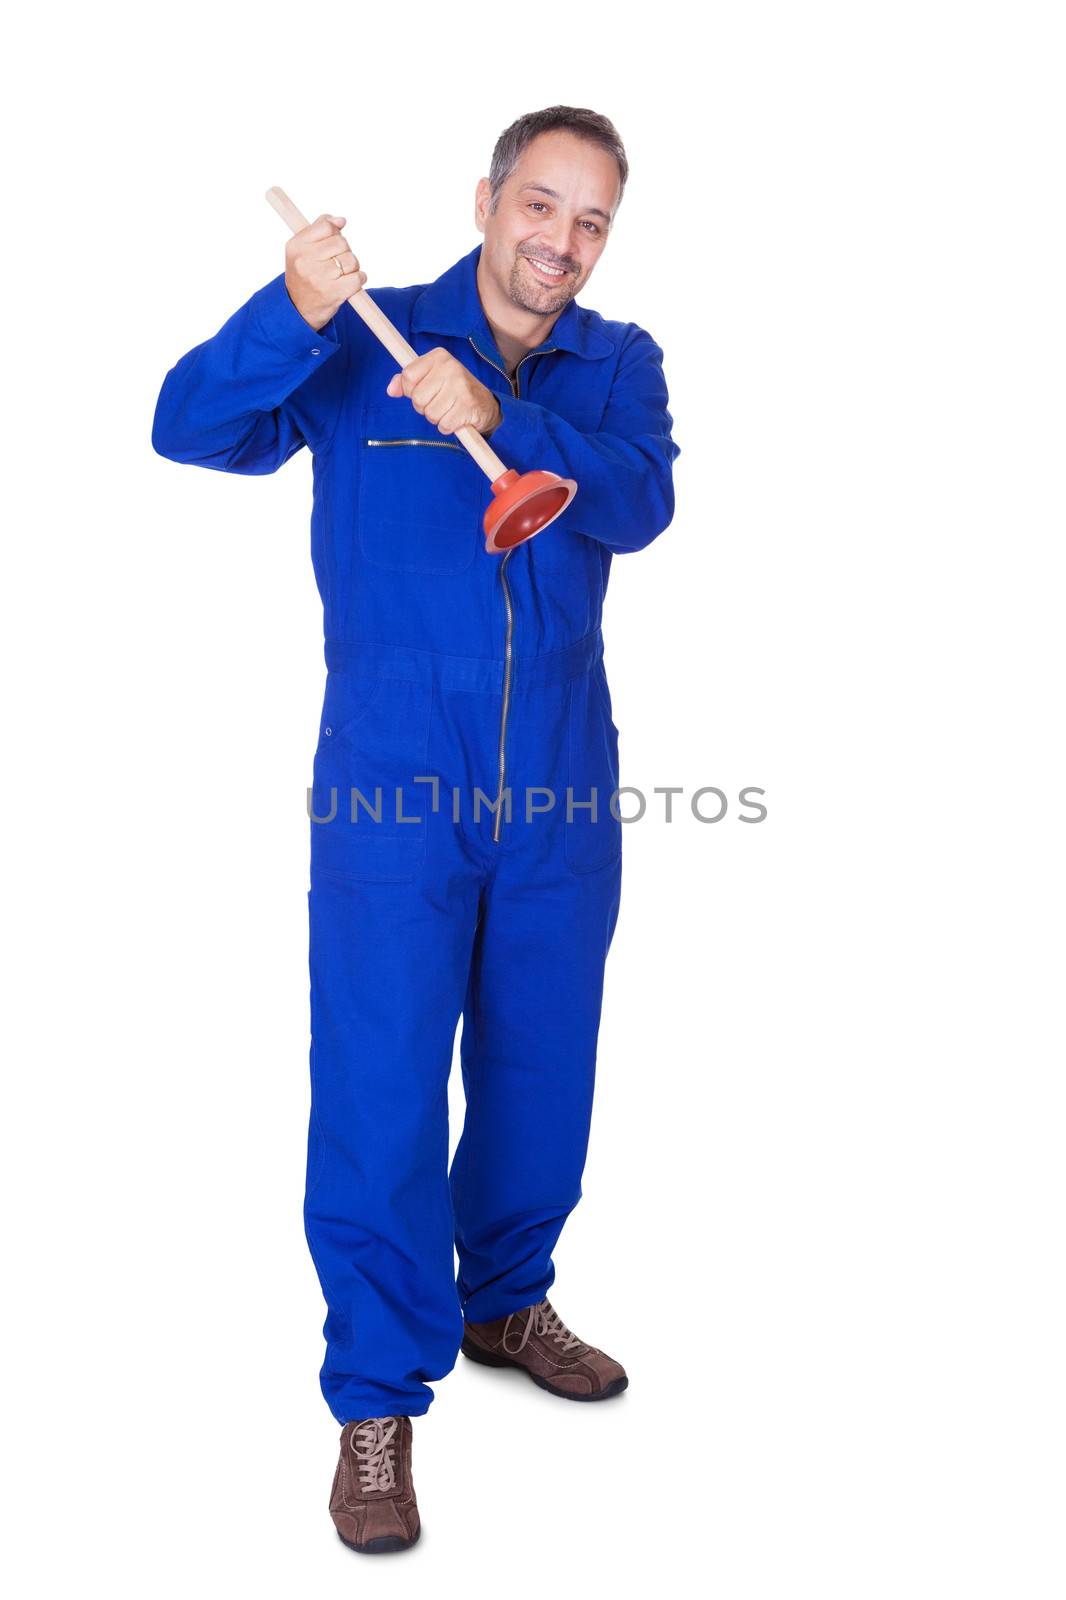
pixel 482 196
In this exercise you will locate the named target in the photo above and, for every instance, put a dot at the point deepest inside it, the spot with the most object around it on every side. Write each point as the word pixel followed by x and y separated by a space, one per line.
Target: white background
pixel 823 1210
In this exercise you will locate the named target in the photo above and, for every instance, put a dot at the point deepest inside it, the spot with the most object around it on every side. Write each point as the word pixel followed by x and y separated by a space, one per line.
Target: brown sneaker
pixel 373 1497
pixel 535 1340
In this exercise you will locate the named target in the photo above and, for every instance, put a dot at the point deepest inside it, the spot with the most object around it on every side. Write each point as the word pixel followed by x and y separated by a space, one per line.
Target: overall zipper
pixel 507 647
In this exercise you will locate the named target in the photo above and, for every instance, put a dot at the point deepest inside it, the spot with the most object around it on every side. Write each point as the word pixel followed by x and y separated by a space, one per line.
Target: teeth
pixel 556 272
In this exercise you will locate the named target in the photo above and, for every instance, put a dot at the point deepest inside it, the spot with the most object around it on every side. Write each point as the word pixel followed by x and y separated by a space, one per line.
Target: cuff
pixel 516 432
pixel 281 323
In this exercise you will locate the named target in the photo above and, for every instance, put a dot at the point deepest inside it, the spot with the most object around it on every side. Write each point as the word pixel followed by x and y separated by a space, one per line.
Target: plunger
pixel 523 503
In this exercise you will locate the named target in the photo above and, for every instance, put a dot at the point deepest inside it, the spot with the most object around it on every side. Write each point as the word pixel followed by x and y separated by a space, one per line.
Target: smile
pixel 543 270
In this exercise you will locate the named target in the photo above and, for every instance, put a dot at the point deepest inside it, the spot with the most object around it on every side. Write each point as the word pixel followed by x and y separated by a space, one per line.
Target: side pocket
pixel 316 1139
pixel 605 697
pixel 369 815
pixel 592 839
pixel 349 697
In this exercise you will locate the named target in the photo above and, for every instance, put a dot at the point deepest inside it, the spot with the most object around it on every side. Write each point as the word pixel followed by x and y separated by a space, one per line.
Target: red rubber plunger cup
pixel 522 503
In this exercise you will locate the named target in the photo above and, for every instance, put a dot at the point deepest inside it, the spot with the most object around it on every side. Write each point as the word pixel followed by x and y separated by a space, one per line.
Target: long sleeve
pixel 624 473
pixel 262 387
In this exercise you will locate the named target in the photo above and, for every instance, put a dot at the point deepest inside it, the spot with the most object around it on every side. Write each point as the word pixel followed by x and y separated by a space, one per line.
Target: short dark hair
pixel 583 123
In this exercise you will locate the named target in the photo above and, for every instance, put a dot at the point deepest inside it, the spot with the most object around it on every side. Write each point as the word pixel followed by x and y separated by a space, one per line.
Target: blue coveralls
pixel 461 679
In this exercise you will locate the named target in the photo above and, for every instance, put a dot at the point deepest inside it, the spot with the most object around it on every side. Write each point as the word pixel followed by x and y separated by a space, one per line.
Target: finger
pixel 430 396
pixel 450 420
pixel 309 259
pixel 415 370
pixel 433 386
pixel 349 267
pixel 334 244
pixel 323 225
pixel 408 377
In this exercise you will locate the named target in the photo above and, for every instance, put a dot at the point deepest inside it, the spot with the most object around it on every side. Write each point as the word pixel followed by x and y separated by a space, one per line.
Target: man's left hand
pixel 446 393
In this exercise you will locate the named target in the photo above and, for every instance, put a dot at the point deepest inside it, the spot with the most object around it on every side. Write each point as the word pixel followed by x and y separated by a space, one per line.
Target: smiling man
pixel 471 689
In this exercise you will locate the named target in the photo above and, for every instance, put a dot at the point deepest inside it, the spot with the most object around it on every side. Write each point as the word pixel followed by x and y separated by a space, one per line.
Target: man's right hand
pixel 315 287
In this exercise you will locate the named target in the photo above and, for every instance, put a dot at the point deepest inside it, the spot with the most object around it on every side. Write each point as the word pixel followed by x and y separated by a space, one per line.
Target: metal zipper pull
pixel 434 444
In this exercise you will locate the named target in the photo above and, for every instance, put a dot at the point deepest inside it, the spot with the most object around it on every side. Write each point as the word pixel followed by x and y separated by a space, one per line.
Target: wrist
pixel 495 421
pixel 312 315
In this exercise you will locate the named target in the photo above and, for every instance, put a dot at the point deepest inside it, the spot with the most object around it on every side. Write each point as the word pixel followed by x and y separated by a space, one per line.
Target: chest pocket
pixel 420 495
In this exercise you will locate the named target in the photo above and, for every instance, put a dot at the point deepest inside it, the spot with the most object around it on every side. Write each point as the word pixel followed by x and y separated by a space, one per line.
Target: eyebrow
pixel 540 188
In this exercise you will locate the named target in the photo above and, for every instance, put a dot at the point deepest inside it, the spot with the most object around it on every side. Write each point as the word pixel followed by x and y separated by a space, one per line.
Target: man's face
pixel 553 212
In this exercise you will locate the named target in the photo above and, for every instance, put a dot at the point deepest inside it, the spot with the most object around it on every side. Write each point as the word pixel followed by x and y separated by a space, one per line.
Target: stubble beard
pixel 544 300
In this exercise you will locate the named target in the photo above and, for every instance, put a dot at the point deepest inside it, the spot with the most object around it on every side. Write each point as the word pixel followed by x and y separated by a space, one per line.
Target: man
pixel 470 687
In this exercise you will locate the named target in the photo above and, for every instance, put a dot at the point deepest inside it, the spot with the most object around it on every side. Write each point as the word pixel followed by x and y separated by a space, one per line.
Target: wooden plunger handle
pixel 393 340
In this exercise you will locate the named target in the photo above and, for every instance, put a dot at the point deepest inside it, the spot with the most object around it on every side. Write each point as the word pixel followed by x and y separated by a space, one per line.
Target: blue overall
pixel 465 843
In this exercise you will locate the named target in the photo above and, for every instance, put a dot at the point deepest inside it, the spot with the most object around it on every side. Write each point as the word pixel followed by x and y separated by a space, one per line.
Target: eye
pixel 539 204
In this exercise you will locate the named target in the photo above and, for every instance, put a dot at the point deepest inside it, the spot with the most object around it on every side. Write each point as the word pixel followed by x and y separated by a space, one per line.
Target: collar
pixel 452 305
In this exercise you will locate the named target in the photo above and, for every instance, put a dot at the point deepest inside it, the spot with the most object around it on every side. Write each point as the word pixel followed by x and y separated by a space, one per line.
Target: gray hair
pixel 572 119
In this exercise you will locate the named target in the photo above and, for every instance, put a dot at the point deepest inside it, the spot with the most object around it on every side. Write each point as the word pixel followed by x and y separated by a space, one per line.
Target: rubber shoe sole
pixel 487 1359
pixel 381 1547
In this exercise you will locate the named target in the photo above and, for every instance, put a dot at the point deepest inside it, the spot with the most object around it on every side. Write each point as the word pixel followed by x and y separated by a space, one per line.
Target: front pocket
pixel 592 842
pixel 369 815
pixel 349 697
pixel 421 496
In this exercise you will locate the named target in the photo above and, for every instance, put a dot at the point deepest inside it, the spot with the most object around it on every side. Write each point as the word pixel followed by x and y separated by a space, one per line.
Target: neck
pixel 515 330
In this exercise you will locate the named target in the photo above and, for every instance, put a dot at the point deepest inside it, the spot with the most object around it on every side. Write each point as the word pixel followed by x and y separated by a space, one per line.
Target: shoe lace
pixel 373 1444
pixel 545 1321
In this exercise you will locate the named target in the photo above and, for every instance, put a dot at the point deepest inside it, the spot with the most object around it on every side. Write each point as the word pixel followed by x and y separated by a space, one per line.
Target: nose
pixel 556 242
